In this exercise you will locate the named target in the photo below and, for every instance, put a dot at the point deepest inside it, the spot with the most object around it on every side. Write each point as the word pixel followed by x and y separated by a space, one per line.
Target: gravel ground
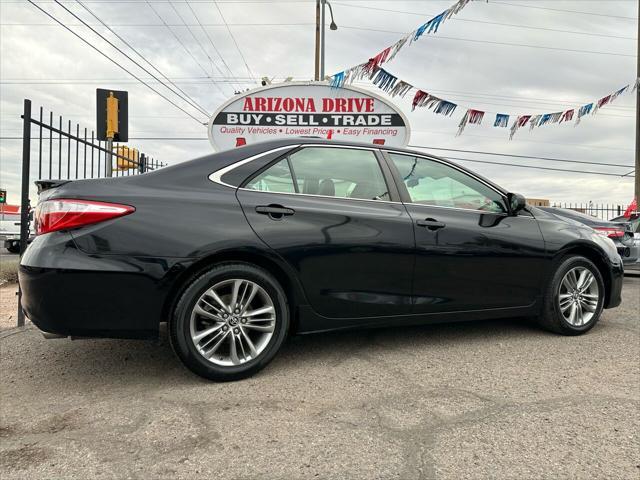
pixel 8 306
pixel 495 399
pixel 8 266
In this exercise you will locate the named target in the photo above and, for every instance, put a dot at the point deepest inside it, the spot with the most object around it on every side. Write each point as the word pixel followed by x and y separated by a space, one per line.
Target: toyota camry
pixel 239 249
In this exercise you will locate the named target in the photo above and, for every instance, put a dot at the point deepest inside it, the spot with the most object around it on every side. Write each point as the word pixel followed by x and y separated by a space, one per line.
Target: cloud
pixel 497 78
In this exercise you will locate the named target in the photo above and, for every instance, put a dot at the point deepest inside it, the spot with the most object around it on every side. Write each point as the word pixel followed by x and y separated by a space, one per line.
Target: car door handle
pixel 275 212
pixel 430 223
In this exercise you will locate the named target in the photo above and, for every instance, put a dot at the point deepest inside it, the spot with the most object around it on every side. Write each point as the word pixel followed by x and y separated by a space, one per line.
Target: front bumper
pixel 67 292
pixel 616 277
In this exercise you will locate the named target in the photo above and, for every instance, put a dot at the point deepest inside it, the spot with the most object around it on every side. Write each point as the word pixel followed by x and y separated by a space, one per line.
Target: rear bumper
pixel 67 292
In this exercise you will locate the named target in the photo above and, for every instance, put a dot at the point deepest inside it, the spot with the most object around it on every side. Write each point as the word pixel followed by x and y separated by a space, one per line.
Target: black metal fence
pixel 66 151
pixel 599 210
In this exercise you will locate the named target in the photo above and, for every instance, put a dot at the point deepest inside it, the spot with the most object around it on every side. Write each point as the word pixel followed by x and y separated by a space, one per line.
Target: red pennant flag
pixel 632 208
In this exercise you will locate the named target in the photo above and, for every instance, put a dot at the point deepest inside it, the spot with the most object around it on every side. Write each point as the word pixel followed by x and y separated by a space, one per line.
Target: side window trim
pixel 404 192
pixel 293 174
pixel 387 176
pixel 397 180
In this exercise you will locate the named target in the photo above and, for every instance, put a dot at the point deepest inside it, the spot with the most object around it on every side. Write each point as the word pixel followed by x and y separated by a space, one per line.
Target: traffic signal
pixel 3 196
pixel 127 157
pixel 112 115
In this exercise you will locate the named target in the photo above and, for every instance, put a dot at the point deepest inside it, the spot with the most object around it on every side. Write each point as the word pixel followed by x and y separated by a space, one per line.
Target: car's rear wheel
pixel 574 298
pixel 230 321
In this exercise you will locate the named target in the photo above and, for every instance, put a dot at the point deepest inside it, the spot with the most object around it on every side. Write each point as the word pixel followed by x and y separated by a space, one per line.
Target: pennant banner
pixel 391 84
pixel 370 67
pixel 388 82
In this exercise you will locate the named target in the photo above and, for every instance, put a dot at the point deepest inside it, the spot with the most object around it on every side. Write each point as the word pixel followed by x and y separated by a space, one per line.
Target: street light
pixel 332 26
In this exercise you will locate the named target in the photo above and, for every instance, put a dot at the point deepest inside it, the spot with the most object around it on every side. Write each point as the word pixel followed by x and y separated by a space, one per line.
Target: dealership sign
pixel 297 109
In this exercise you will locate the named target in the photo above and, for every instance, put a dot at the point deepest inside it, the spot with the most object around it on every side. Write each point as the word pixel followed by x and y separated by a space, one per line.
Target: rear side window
pixel 276 178
pixel 331 172
pixel 433 183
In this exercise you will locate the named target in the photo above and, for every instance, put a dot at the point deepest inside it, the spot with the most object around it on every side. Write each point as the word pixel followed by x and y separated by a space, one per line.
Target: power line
pixel 183 45
pixel 565 11
pixel 564 144
pixel 368 7
pixel 186 80
pixel 535 167
pixel 114 62
pixel 211 42
pixel 550 159
pixel 520 139
pixel 234 40
pixel 158 25
pixel 524 98
pixel 206 54
pixel 588 172
pixel 490 42
pixel 188 99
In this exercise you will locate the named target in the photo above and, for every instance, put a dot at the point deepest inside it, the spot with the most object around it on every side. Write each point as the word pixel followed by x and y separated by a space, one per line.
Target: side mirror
pixel 516 202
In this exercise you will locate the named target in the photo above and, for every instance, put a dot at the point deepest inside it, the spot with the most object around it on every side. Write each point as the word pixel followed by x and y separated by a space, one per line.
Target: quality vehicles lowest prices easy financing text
pixel 238 249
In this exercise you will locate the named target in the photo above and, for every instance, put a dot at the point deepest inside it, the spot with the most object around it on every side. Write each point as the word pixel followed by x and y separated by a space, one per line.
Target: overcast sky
pixel 571 59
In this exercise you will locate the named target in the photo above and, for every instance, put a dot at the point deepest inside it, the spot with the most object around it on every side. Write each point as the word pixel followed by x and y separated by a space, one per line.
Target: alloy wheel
pixel 578 296
pixel 232 322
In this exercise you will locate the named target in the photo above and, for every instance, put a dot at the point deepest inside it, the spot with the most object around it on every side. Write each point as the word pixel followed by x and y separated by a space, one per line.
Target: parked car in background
pixel 10 231
pixel 620 230
pixel 633 225
pixel 239 249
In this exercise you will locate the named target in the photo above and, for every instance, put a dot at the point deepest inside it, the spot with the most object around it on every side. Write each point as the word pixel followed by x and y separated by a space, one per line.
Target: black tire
pixel 179 323
pixel 552 318
pixel 14 248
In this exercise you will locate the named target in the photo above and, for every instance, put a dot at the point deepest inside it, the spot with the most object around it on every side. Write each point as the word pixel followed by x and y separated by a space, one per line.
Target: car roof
pixel 284 142
pixel 228 157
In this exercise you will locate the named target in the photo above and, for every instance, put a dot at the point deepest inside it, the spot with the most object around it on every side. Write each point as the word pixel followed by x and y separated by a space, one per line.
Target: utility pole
pixel 317 58
pixel 321 76
pixel 637 178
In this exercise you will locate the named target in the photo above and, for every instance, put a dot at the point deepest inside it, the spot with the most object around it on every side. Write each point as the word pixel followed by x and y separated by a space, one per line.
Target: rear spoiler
pixel 48 184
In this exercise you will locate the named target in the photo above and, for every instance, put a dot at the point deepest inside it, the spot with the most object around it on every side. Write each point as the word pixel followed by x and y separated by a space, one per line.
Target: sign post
pixel 637 173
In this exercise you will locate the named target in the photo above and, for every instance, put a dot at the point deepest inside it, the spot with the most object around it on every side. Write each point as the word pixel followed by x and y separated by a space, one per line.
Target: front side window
pixel 326 171
pixel 433 183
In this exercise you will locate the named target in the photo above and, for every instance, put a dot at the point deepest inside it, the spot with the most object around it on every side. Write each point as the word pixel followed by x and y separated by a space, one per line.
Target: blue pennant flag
pixel 431 26
pixel 545 119
pixel 584 110
pixel 445 108
pixel 337 80
pixel 502 120
pixel 384 80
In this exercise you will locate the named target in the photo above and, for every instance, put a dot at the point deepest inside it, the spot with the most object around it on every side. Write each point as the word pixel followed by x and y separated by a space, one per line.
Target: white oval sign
pixel 309 109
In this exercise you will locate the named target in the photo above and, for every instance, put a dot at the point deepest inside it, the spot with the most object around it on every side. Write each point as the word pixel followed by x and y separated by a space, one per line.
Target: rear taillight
pixel 62 214
pixel 611 232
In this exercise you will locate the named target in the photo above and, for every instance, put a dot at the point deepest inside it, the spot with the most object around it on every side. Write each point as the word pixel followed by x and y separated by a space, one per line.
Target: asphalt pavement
pixel 492 399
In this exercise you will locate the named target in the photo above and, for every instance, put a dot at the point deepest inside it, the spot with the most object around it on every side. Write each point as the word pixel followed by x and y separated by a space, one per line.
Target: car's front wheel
pixel 574 298
pixel 230 321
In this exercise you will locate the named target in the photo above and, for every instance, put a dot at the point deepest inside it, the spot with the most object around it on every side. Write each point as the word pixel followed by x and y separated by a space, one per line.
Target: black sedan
pixel 238 249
